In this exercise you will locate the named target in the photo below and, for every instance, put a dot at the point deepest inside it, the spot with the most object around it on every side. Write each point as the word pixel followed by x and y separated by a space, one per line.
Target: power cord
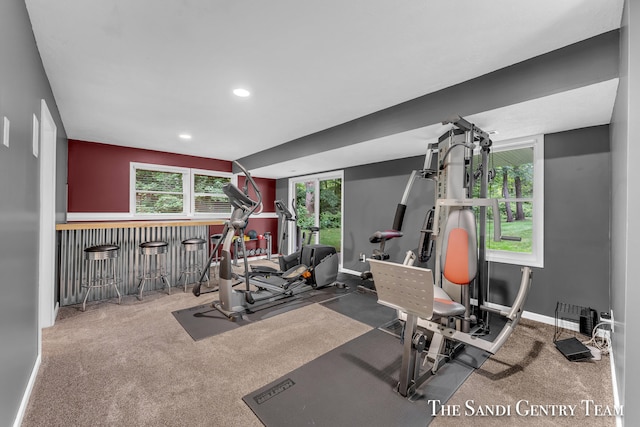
pixel 602 342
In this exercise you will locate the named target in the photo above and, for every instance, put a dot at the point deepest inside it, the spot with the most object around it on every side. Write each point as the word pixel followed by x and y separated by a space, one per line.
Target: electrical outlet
pixel 363 257
pixel 613 322
pixel 607 319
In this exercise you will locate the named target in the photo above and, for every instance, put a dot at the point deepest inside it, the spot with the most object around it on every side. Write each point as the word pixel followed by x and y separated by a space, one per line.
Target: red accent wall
pixel 267 190
pixel 98 174
pixel 98 179
pixel 261 226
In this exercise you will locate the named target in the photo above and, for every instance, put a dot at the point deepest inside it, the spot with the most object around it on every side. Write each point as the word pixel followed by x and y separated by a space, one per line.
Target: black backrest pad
pixel 313 254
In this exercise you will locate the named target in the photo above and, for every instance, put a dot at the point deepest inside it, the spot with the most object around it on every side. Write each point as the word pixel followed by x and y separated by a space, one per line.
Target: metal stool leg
pixel 143 277
pixel 114 280
pixel 163 273
pixel 89 278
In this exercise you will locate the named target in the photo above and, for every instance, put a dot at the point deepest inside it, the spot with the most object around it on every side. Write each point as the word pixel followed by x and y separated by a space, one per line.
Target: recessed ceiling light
pixel 493 132
pixel 243 93
pixel 185 136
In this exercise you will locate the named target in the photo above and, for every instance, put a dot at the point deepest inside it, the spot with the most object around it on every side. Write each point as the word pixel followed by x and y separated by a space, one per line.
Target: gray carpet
pixel 133 364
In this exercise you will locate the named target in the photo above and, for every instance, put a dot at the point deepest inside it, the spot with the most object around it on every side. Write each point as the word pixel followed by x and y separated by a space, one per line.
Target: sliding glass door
pixel 318 204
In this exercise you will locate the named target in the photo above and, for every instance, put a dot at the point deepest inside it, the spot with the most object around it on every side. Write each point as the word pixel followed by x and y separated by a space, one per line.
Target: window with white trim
pixel 517 181
pixel 159 191
pixel 208 197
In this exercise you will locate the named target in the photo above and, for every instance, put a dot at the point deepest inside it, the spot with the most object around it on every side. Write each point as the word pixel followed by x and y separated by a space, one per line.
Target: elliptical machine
pixel 285 215
pixel 320 270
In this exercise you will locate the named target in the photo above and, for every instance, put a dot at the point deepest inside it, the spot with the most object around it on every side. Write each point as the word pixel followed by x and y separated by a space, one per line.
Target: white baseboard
pixel 27 392
pixel 614 385
pixel 352 272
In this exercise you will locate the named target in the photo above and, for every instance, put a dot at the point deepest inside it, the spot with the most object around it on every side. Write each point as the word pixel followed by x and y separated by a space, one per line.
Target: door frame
pixel 339 174
pixel 48 306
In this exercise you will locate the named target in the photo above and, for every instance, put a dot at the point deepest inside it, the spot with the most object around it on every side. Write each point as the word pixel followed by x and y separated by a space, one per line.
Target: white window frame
pixel 232 178
pixel 536 257
pixel 188 209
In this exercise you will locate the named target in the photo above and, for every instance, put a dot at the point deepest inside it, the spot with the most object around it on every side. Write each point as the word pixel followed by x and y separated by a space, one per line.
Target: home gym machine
pixel 320 268
pixel 441 303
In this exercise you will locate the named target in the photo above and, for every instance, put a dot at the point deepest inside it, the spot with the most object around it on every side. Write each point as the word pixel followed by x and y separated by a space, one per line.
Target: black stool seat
pixel 155 247
pixel 102 248
pixel 154 244
pixel 101 252
pixel 102 269
pixel 194 241
pixel 154 255
pixel 194 249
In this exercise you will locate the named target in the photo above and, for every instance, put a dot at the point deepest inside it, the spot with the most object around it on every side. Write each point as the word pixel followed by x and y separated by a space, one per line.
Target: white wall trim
pixel 264 215
pixel 614 385
pixel 352 272
pixel 98 216
pixel 126 216
pixel 27 391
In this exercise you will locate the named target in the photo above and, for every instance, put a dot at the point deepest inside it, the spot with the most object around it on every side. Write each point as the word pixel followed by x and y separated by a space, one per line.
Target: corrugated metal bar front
pixel 73 267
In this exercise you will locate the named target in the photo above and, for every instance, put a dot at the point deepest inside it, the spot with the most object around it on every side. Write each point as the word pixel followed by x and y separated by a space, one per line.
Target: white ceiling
pixel 138 73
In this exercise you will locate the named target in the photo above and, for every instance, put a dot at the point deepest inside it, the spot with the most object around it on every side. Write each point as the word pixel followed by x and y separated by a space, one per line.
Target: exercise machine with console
pixel 318 267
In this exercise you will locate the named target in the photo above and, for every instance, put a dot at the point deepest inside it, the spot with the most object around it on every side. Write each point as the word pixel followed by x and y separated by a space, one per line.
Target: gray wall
pixel 576 227
pixel 577 187
pixel 625 202
pixel 371 194
pixel 23 84
pixel 577 216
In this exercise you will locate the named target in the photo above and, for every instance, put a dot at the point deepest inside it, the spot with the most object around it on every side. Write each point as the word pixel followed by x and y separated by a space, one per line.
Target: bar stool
pixel 101 271
pixel 154 256
pixel 193 260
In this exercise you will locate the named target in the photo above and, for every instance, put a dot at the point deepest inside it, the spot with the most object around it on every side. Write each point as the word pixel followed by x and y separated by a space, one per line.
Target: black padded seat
pixel 447 308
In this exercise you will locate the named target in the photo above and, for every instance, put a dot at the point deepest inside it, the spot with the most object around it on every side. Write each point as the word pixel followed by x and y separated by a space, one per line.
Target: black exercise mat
pixel 353 385
pixel 204 321
pixel 362 307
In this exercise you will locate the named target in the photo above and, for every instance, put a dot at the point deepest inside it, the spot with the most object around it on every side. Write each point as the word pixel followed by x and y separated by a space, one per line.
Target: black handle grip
pixel 399 218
